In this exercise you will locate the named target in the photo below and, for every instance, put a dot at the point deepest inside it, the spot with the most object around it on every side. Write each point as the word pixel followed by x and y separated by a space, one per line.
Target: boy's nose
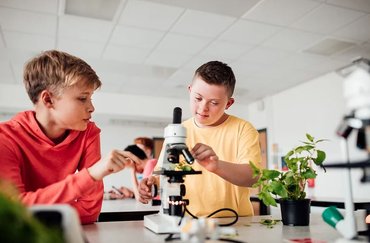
pixel 204 106
pixel 91 107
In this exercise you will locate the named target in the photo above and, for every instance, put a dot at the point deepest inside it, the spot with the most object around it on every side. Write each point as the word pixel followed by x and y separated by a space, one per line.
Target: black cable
pixel 228 240
pixel 182 215
pixel 170 236
pixel 192 215
pixel 185 209
pixel 215 212
pixel 207 238
pixel 226 209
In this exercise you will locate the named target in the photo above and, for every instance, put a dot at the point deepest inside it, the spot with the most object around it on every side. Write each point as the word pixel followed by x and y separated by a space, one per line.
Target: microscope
pixel 357 94
pixel 171 189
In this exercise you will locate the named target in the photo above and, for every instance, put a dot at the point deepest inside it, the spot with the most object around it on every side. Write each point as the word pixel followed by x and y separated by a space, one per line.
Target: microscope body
pixel 171 188
pixel 357 94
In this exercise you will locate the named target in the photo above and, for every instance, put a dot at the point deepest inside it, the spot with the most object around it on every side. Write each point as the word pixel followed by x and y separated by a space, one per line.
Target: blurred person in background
pixel 142 167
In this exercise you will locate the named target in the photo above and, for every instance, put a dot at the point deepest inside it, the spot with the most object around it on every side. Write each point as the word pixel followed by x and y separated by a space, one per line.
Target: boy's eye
pixel 198 98
pixel 214 103
pixel 82 98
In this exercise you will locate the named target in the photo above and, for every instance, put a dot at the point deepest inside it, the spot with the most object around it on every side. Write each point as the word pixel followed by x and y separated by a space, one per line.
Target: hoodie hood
pixel 25 126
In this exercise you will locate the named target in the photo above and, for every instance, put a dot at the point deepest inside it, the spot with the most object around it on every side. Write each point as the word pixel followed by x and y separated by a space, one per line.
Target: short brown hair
pixel 55 70
pixel 147 142
pixel 218 73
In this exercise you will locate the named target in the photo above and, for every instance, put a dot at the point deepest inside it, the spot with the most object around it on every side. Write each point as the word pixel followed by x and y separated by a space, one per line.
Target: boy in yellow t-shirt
pixel 222 146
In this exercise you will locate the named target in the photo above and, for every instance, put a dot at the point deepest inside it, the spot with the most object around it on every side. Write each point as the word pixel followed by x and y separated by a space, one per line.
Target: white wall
pixel 315 107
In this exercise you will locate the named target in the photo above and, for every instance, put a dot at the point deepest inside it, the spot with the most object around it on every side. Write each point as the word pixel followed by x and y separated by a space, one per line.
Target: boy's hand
pixel 124 192
pixel 115 161
pixel 115 195
pixel 145 189
pixel 137 165
pixel 128 193
pixel 205 156
pixel 136 162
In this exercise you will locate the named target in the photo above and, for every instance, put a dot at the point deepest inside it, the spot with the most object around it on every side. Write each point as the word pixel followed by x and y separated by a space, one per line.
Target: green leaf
pixel 267 199
pixel 309 173
pixel 270 174
pixel 269 222
pixel 290 153
pixel 289 178
pixel 292 164
pixel 309 137
pixel 257 184
pixel 299 149
pixel 279 189
pixel 321 155
pixel 308 147
pixel 255 170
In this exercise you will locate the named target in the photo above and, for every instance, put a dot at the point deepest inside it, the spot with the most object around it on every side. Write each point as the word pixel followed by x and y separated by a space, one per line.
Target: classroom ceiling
pixel 153 47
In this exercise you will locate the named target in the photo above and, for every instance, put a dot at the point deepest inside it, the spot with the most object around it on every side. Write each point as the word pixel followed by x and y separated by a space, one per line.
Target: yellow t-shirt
pixel 235 141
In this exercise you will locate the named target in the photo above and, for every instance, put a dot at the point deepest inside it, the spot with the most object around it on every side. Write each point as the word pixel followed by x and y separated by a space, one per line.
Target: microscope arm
pixel 349 229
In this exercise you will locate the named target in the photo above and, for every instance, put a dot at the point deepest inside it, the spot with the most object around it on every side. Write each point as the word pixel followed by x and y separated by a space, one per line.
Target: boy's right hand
pixel 124 192
pixel 115 161
pixel 145 189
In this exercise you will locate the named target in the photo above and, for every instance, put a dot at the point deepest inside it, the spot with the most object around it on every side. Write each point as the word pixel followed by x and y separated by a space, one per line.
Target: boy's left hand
pixel 205 156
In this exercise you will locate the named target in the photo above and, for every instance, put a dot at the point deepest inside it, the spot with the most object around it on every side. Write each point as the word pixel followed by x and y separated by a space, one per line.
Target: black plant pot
pixel 295 212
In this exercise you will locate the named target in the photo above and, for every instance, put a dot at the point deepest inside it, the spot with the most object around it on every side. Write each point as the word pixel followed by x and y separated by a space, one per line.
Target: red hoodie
pixel 48 173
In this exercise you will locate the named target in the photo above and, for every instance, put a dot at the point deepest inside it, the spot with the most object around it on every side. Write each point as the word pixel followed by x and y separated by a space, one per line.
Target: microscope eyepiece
pixel 177 115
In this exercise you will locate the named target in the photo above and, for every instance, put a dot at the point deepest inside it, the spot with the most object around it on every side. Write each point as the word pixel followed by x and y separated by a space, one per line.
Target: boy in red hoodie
pixel 52 154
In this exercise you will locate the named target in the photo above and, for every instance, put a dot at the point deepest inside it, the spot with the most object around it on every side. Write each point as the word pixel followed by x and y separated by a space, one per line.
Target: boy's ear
pixel 189 88
pixel 46 98
pixel 229 103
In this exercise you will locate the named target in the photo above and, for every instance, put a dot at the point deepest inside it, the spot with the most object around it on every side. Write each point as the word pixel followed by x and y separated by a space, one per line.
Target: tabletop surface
pixel 125 210
pixel 126 205
pixel 249 230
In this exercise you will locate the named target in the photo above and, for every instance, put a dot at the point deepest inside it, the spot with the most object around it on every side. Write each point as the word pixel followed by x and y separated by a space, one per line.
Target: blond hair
pixel 55 70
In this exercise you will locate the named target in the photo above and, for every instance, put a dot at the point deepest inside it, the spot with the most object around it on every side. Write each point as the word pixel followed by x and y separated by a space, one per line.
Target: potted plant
pixel 18 225
pixel 289 186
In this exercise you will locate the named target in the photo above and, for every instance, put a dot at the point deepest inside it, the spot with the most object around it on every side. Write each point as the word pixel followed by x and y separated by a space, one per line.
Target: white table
pixel 125 210
pixel 249 230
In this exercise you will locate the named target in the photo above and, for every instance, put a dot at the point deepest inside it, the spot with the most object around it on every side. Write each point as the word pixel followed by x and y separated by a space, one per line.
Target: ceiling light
pixel 98 9
pixel 329 46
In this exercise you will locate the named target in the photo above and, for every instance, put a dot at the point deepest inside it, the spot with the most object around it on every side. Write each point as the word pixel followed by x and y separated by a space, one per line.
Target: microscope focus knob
pixel 182 190
pixel 154 190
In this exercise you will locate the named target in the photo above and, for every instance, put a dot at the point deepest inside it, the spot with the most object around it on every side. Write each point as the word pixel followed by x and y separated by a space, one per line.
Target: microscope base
pixel 162 223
